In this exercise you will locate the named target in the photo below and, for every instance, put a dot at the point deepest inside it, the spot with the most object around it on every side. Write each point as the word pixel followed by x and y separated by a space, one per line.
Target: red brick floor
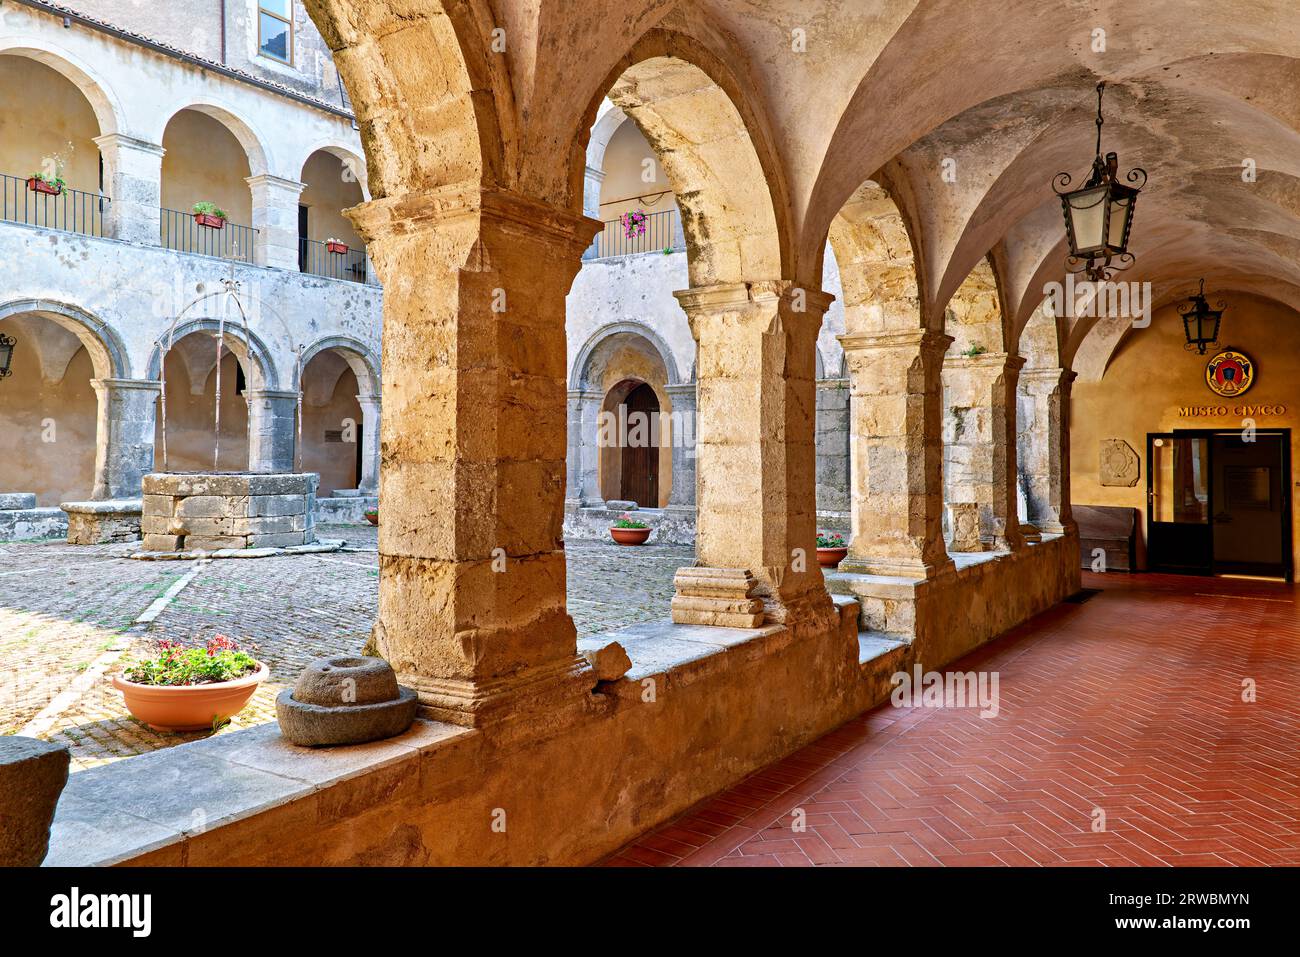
pixel 1129 704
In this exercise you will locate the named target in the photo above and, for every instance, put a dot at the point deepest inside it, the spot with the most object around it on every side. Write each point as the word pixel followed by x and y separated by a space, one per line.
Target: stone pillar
pixel 133 171
pixel 1044 445
pixel 472 575
pixel 124 435
pixel 272 430
pixel 896 452
pixel 755 454
pixel 591 184
pixel 582 476
pixel 368 482
pixel 980 443
pixel 833 509
pixel 275 217
pixel 684 424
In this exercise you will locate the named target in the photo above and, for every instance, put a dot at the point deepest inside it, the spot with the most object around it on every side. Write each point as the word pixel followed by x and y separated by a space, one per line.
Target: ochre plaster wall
pixel 327 193
pixel 41 112
pixel 204 162
pixel 335 462
pixel 1152 377
pixel 190 419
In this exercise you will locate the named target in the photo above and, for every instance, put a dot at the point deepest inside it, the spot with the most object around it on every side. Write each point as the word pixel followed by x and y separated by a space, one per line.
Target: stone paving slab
pixel 64 607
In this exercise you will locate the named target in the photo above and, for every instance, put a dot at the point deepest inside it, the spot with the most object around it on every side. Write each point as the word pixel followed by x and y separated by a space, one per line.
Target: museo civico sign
pixel 1229 374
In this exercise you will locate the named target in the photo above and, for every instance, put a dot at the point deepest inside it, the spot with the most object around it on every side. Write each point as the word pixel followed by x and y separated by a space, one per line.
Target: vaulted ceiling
pixel 973 108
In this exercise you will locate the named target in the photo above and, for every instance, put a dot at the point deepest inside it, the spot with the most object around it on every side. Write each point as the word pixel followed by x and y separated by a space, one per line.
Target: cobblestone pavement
pixel 67 617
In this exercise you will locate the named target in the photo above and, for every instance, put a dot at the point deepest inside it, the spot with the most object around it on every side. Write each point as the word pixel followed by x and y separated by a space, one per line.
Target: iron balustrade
pixel 71 210
pixel 315 258
pixel 178 230
pixel 663 231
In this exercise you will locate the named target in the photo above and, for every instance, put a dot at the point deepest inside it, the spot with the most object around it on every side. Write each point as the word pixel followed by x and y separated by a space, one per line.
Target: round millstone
pixel 345 701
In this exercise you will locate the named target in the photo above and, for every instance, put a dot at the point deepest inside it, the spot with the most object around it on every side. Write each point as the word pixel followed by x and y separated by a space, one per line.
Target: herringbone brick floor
pixel 1122 738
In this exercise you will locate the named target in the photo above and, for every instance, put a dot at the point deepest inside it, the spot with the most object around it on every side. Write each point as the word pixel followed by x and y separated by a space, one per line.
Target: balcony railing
pixel 179 231
pixel 316 259
pixel 663 233
pixel 71 210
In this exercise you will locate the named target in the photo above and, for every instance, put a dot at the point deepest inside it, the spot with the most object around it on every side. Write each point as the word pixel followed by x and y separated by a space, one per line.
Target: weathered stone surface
pixel 218 511
pixel 32 776
pixel 97 523
pixel 17 500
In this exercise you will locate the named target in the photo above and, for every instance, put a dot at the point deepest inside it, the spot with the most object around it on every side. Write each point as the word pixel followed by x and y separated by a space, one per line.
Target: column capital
pixel 412 214
pixel 585 393
pixel 681 389
pixel 731 297
pixel 920 339
pixel 251 394
pixel 146 385
pixel 118 141
pixel 275 182
pixel 367 401
pixel 990 361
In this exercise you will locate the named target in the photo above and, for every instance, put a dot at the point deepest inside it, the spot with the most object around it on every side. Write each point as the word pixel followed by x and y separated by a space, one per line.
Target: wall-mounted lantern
pixel 1099 215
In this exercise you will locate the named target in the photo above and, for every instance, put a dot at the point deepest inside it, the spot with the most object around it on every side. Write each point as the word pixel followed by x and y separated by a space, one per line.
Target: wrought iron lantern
pixel 1099 214
pixel 1200 322
pixel 7 344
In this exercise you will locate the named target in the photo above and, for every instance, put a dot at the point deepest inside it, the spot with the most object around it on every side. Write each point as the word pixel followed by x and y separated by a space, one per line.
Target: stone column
pixel 756 488
pixel 582 482
pixel 133 171
pixel 833 453
pixel 980 442
pixel 275 217
pixel 124 435
pixel 472 575
pixel 896 452
pixel 591 184
pixel 684 424
pixel 368 483
pixel 272 430
pixel 1044 444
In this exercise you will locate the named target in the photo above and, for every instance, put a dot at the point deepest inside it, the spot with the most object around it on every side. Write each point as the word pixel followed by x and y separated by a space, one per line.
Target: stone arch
pixel 974 316
pixel 352 162
pixel 102 98
pixel 252 140
pixel 359 357
pixel 872 242
pixel 253 354
pixel 713 149
pixel 107 351
pixel 579 377
pixel 436 60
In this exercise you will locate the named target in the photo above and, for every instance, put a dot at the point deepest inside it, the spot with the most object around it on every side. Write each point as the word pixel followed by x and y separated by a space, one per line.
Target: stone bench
pixel 98 523
pixel 21 518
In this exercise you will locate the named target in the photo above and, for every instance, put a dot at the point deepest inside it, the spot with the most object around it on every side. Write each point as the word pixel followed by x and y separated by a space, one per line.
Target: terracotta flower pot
pixel 372 518
pixel 831 557
pixel 189 707
pixel 340 249
pixel 38 185
pixel 630 536
pixel 207 219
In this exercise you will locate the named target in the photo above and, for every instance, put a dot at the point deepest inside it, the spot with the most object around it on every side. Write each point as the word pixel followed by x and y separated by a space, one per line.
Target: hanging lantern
pixel 1099 215
pixel 1200 322
pixel 7 344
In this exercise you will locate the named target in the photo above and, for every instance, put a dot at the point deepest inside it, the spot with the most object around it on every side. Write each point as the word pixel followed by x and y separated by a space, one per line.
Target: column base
pixel 894 568
pixel 723 597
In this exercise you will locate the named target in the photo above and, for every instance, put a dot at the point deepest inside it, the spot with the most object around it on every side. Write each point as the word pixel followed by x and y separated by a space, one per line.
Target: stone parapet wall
pixel 672 526
pixel 20 518
pixel 187 511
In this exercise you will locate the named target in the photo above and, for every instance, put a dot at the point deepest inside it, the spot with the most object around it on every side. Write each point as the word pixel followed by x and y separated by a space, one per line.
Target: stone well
pixel 185 511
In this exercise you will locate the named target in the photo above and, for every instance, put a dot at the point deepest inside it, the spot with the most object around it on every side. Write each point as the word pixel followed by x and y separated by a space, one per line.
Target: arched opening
pixel 188 421
pixel 328 244
pixel 636 202
pixel 47 132
pixel 332 423
pixel 48 412
pixel 206 167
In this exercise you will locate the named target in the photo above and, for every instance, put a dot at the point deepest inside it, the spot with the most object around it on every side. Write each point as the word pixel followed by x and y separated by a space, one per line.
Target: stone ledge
pixel 96 523
pixel 317 547
pixel 156 804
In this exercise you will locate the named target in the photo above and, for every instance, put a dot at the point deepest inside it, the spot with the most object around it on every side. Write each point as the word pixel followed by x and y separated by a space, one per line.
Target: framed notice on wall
pixel 1249 487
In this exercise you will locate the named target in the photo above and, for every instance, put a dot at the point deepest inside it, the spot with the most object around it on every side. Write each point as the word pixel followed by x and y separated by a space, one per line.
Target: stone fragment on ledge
pixel 610 662
pixel 724 597
pixel 32 776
